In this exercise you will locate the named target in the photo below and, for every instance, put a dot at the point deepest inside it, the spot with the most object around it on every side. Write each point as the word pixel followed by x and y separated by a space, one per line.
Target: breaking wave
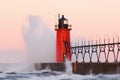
pixel 51 75
pixel 13 72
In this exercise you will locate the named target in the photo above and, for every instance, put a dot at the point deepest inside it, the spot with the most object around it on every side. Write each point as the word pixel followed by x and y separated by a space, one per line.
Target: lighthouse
pixel 62 39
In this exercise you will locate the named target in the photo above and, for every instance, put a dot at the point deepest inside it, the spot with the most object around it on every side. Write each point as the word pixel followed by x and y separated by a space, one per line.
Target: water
pixel 51 75
pixel 68 66
pixel 17 72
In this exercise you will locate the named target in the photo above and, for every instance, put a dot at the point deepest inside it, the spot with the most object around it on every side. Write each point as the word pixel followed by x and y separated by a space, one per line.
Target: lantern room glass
pixel 65 21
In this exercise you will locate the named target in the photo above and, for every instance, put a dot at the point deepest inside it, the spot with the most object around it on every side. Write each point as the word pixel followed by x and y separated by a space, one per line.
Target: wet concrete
pixel 83 68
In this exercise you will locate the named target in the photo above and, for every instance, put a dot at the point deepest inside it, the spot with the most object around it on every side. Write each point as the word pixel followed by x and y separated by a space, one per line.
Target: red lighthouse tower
pixel 62 39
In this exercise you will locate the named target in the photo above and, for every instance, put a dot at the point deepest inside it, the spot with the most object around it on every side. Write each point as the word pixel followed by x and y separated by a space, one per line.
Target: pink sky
pixel 88 18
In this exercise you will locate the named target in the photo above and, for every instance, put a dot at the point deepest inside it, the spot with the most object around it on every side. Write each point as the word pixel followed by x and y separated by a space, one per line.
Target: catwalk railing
pixel 96 50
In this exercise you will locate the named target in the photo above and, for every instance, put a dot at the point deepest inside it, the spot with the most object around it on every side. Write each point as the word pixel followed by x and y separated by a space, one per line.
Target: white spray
pixel 68 66
pixel 40 41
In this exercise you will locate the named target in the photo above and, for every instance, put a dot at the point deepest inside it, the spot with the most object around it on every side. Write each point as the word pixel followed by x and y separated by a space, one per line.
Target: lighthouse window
pixel 65 22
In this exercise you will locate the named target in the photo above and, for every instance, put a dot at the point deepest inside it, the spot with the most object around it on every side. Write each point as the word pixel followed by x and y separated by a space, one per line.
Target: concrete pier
pixel 83 68
pixel 97 68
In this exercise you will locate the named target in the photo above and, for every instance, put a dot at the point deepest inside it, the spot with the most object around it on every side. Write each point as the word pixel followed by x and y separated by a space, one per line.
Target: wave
pixel 54 75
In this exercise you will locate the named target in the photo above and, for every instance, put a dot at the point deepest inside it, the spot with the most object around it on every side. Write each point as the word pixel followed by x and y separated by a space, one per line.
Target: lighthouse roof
pixel 62 18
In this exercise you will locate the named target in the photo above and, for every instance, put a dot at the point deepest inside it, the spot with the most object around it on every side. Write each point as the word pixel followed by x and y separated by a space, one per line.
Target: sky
pixel 89 18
